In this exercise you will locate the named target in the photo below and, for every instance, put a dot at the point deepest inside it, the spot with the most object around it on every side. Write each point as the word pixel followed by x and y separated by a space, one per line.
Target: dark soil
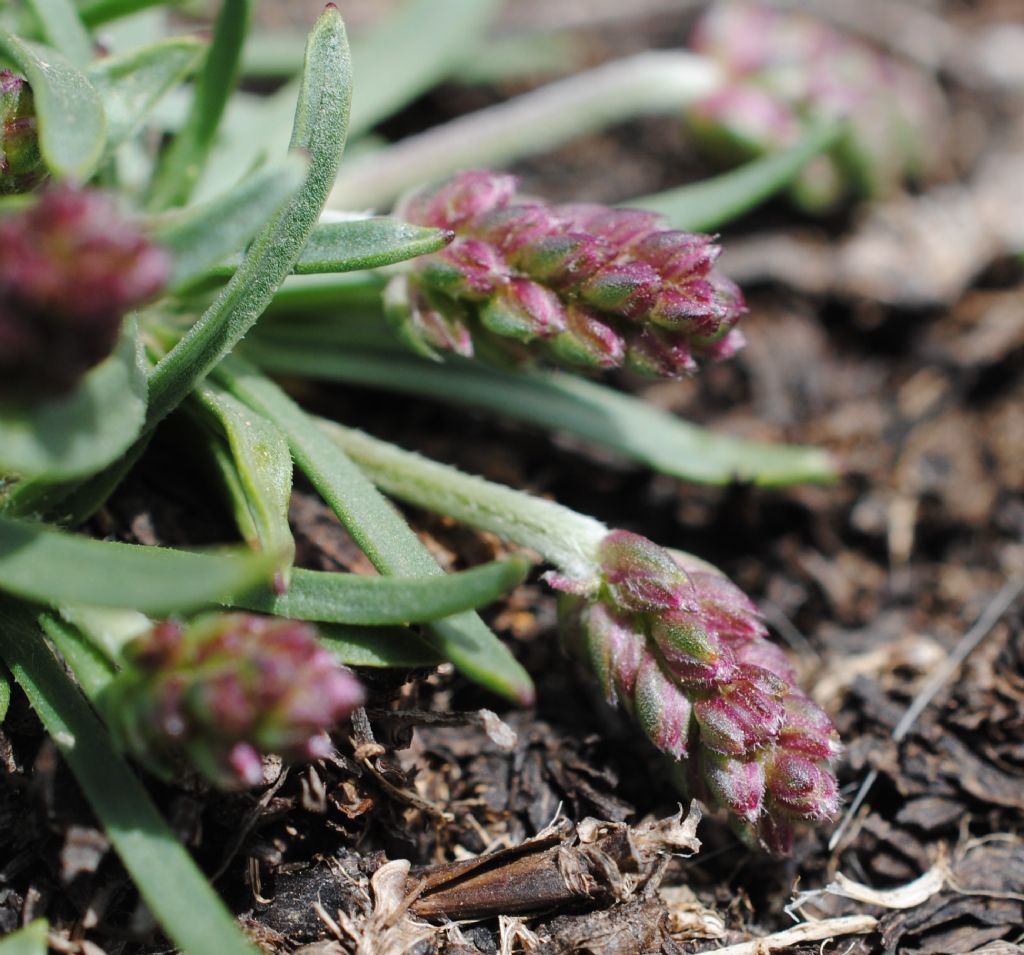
pixel 872 582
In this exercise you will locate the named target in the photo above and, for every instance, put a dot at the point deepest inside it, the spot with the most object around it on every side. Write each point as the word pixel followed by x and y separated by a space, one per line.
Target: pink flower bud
pixel 422 323
pixel 640 575
pixel 741 716
pixel 587 342
pixel 807 729
pixel 622 228
pixel 467 269
pixel 692 655
pixel 662 708
pixel 659 354
pixel 523 310
pixel 451 204
pixel 723 609
pixel 622 288
pixel 614 649
pixel 737 785
pixel 800 788
pixel 563 260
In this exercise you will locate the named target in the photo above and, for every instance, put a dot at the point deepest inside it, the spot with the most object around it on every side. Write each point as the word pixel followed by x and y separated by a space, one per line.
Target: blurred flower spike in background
pixel 227 689
pixel 787 70
pixel 71 268
pixel 580 285
pixel 684 651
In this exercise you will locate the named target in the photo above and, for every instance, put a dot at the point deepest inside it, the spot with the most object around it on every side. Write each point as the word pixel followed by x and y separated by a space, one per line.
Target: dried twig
pixel 803 933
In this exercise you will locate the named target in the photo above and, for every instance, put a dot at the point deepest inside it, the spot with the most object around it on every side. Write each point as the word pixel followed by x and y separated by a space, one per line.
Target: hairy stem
pixel 566 539
pixel 659 81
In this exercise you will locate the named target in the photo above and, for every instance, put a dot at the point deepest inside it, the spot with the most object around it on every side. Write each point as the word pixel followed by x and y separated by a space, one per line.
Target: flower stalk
pixel 662 81
pixel 668 638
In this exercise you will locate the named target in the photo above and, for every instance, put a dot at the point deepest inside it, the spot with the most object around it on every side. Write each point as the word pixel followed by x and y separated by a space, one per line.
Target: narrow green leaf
pixel 62 28
pixel 5 692
pixel 321 596
pixel 203 235
pixel 378 529
pixel 393 647
pixel 560 402
pixel 72 124
pixel 334 293
pixel 31 940
pixel 81 433
pixel 262 464
pixel 181 165
pixel 91 667
pixel 95 13
pixel 272 54
pixel 321 120
pixel 714 202
pixel 55 568
pixel 175 891
pixel 356 244
pixel 412 51
pixel 130 85
pixel 70 502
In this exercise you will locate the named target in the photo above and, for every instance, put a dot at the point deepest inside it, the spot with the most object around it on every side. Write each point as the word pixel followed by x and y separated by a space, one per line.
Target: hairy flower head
pixel 226 689
pixel 579 285
pixel 685 652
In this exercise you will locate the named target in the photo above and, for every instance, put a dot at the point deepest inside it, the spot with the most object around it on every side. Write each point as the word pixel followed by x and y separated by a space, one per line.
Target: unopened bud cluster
pixel 227 689
pixel 580 285
pixel 684 651
pixel 71 267
pixel 21 167
pixel 787 69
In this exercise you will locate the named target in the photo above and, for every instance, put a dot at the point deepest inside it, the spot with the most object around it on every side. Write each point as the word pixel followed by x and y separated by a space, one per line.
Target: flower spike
pixel 585 286
pixel 684 651
pixel 226 689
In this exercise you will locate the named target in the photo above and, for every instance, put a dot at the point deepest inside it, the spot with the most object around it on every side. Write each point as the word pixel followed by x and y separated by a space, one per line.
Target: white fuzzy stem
pixel 659 81
pixel 566 539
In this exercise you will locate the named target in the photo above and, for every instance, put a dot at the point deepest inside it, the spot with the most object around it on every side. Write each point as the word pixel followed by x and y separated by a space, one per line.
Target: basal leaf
pixel 711 203
pixel 62 28
pixel 55 568
pixel 378 529
pixel 355 244
pixel 321 121
pixel 175 891
pixel 130 85
pixel 393 647
pixel 72 124
pixel 182 164
pixel 31 940
pixel 326 597
pixel 559 402
pixel 259 469
pixel 5 692
pixel 81 433
pixel 95 13
pixel 204 235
